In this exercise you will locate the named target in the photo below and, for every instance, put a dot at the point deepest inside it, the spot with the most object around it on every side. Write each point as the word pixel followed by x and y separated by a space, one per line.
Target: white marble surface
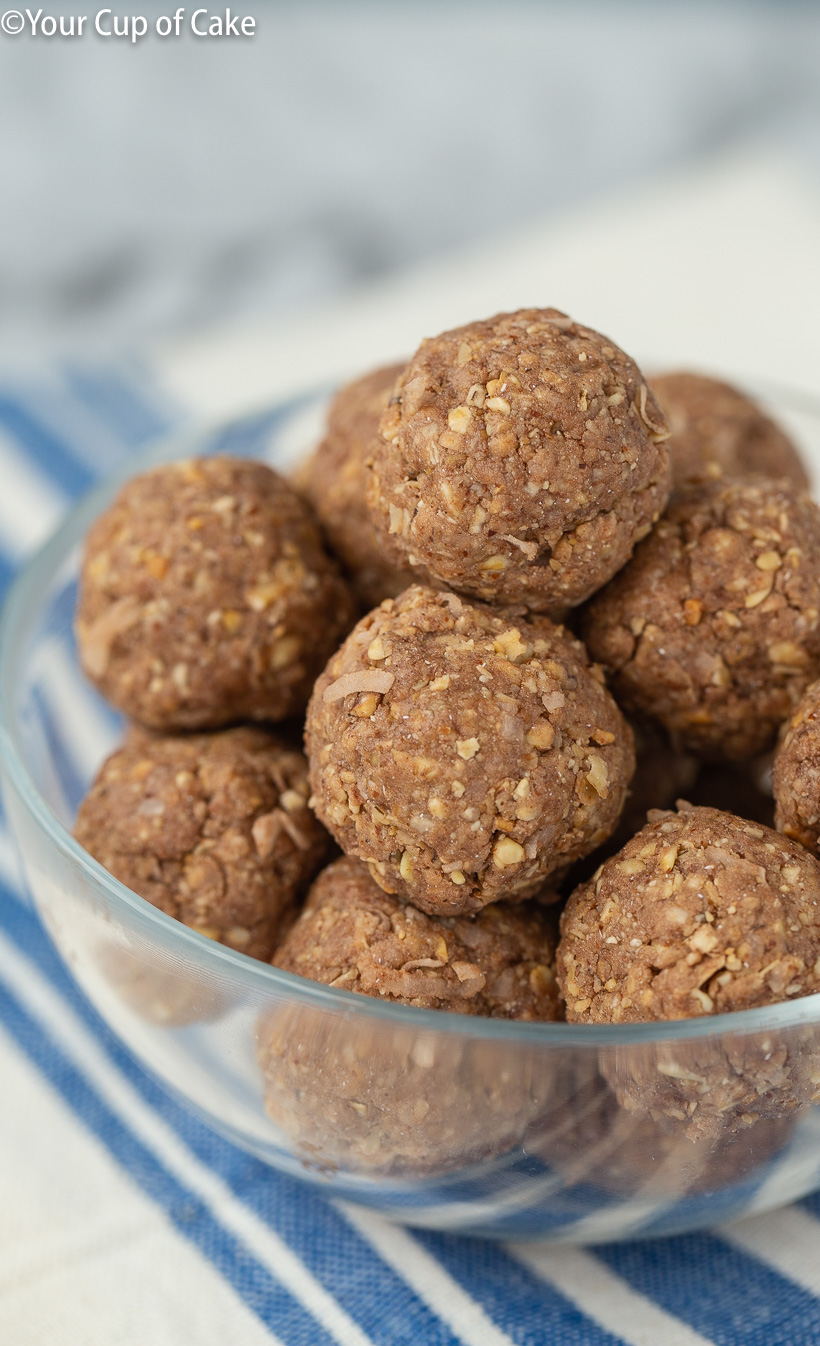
pixel 714 267
pixel 149 189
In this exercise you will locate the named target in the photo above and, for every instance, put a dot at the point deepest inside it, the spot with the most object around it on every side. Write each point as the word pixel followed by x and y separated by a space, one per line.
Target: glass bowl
pixel 482 1126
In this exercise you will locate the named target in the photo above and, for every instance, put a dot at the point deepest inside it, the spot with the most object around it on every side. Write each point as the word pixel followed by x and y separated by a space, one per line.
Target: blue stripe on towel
pixel 120 404
pixel 720 1291
pixel 270 1300
pixel 51 454
pixel 308 1224
pixel 526 1307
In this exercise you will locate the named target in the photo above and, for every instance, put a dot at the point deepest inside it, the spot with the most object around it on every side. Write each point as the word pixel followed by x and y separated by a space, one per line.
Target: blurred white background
pixel 154 189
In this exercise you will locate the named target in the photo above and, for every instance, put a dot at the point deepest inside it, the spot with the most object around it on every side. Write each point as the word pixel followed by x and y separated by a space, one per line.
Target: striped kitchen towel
pixel 125 1220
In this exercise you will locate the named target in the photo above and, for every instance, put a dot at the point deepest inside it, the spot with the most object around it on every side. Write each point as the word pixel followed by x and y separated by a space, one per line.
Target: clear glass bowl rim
pixel 21 608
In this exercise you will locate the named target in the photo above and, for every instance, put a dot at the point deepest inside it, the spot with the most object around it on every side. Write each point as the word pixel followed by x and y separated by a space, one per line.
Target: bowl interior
pixel 531 1133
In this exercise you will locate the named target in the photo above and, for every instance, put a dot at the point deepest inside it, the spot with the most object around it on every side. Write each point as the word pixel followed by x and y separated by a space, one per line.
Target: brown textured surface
pixel 353 935
pixel 714 625
pixel 464 754
pixel 335 481
pixel 213 829
pixel 796 772
pixel 206 597
pixel 716 429
pixel 520 461
pixel 700 914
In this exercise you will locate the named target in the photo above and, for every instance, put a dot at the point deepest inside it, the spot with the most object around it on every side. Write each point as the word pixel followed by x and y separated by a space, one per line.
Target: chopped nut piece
pixel 507 852
pixel 458 419
pixel 367 706
pixel 511 646
pixel 786 652
pixel 541 735
pixel 598 776
pixel 292 801
pixel 769 560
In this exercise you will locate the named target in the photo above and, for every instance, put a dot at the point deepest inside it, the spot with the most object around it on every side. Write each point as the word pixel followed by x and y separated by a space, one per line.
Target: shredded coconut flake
pixel 368 680
pixel 98 637
pixel 530 549
pixel 659 432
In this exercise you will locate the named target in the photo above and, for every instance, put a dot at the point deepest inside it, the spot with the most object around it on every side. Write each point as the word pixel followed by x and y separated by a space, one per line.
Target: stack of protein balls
pixel 468 752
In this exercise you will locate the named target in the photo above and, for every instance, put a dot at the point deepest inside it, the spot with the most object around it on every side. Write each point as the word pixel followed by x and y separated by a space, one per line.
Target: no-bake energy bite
pixel 213 829
pixel 384 1096
pixel 796 772
pixel 465 755
pixel 206 597
pixel 632 1153
pixel 701 913
pixel 520 460
pixel 335 481
pixel 713 627
pixel 717 430
pixel 352 934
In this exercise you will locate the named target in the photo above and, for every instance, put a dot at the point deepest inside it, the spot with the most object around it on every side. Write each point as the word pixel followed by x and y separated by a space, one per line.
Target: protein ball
pixel 352 934
pixel 372 1095
pixel 335 481
pixel 520 460
pixel 206 597
pixel 636 1155
pixel 716 430
pixel 796 772
pixel 153 984
pixel 713 627
pixel 213 829
pixel 463 754
pixel 700 914
pixel 364 1094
